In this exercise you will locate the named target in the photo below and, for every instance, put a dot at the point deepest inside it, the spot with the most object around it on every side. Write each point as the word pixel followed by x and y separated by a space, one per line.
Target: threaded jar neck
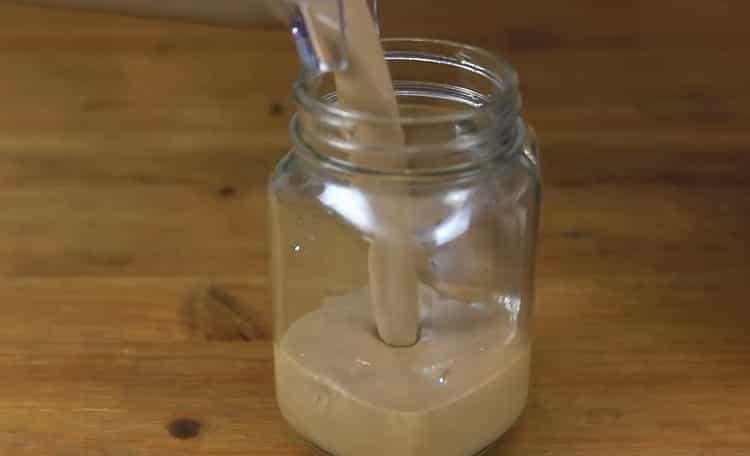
pixel 459 108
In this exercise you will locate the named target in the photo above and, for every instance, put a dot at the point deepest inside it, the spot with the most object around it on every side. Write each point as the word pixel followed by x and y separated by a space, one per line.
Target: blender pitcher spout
pixel 319 31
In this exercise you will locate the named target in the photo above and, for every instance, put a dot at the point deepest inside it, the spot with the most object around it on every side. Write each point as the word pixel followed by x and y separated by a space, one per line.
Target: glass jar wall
pixel 436 235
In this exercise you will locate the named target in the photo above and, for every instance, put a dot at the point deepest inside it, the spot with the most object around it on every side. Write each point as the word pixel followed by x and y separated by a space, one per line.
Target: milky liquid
pixel 366 86
pixel 453 393
pixel 348 378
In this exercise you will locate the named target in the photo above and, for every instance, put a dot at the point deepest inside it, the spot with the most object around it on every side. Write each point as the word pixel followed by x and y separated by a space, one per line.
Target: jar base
pixel 317 451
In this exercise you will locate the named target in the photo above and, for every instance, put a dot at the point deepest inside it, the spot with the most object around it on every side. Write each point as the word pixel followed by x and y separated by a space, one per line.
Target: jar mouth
pixel 459 108
pixel 500 76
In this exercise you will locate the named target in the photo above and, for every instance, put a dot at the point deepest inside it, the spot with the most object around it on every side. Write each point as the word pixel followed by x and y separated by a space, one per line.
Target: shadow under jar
pixel 459 203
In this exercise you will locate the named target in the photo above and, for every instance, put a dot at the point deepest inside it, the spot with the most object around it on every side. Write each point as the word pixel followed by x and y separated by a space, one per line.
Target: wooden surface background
pixel 135 315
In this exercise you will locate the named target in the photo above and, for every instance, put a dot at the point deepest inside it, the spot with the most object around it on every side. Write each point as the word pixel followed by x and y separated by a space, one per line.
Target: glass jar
pixel 433 237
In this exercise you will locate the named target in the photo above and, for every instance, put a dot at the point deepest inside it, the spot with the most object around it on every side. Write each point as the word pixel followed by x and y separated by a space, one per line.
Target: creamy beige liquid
pixel 453 393
pixel 366 86
pixel 339 384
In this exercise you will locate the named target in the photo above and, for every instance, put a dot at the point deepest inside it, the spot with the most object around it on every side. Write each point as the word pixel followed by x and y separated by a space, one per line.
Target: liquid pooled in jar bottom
pixel 453 393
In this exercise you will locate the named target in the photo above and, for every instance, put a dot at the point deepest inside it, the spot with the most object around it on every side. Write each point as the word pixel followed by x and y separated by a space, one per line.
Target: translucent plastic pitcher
pixel 317 25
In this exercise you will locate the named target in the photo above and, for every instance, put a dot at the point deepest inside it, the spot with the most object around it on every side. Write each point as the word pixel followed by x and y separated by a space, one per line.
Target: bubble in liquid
pixel 297 248
pixel 438 373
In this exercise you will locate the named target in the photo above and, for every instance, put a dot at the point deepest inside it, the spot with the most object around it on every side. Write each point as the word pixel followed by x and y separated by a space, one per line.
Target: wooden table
pixel 133 280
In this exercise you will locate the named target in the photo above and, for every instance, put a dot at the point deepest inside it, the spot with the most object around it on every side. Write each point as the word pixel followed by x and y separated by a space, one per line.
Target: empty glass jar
pixel 435 235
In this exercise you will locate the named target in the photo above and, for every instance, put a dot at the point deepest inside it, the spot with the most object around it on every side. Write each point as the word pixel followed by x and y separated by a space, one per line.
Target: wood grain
pixel 133 265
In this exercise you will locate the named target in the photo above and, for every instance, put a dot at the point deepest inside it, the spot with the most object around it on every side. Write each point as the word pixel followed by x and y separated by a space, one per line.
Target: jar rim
pixel 501 73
